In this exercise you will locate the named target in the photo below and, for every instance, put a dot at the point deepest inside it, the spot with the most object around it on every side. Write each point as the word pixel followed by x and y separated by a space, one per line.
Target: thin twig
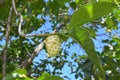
pixel 6 46
pixel 35 53
pixel 40 46
pixel 20 25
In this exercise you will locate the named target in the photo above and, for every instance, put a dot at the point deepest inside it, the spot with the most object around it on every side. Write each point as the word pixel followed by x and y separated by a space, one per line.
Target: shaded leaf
pixel 109 64
pixel 4 8
pixel 37 6
pixel 73 5
pixel 111 23
pixel 82 36
pixel 76 75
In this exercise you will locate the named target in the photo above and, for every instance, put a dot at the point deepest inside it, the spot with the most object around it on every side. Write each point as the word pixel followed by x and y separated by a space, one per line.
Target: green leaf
pixel 37 6
pixel 19 74
pixel 73 5
pixel 4 8
pixel 90 12
pixel 117 40
pixel 110 64
pixel 0 76
pixel 47 76
pixel 20 71
pixel 83 37
pixel 111 23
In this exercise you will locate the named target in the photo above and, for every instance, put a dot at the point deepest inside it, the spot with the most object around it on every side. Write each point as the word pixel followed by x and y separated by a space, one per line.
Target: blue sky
pixel 75 48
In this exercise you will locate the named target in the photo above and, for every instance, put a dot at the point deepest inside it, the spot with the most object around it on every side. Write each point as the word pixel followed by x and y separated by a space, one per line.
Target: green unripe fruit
pixel 53 44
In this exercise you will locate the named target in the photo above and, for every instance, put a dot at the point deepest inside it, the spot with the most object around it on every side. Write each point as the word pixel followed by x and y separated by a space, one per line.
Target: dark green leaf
pixel 111 23
pixel 0 76
pixel 73 5
pixel 4 8
pixel 82 36
pixel 37 6
pixel 76 75
pixel 110 63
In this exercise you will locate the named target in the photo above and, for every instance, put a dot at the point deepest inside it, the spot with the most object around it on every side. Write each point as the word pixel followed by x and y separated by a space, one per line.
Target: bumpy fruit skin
pixel 52 44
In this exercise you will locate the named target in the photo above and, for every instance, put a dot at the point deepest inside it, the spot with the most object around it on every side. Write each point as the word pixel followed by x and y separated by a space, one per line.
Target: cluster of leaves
pixel 21 74
pixel 35 13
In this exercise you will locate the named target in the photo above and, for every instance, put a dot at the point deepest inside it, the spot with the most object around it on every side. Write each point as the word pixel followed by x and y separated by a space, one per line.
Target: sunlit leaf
pixel 47 76
pixel 90 12
pixel 19 74
pixel 20 71
pixel 117 40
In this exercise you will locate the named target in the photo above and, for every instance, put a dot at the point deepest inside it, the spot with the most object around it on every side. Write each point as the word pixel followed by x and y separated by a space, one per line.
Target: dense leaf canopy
pixel 86 25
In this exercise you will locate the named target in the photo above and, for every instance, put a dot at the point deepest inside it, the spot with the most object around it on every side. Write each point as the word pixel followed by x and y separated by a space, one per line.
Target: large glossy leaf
pixel 83 37
pixel 90 12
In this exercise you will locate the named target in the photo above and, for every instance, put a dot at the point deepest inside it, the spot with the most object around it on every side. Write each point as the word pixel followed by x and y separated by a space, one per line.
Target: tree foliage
pixel 22 40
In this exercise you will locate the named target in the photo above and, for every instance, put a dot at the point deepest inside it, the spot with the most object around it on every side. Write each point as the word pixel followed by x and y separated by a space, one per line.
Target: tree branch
pixel 4 56
pixel 40 46
pixel 35 53
pixel 20 25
